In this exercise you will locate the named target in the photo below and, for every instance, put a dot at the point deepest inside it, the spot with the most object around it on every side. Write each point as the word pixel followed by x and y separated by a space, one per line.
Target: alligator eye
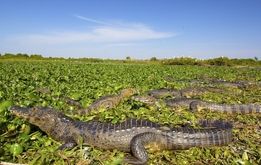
pixel 37 119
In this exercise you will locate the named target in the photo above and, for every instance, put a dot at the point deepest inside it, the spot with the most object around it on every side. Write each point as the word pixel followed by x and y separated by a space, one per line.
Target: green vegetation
pixel 46 82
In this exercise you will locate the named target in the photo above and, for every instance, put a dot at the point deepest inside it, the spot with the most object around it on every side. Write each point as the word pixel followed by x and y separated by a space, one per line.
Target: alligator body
pixel 225 83
pixel 132 135
pixel 230 84
pixel 109 101
pixel 180 102
pixel 164 92
pixel 198 105
pixel 169 102
pixel 214 81
pixel 195 91
pixel 174 93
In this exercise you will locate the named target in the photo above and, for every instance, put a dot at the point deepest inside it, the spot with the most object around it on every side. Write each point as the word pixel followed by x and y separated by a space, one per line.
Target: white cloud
pixel 104 33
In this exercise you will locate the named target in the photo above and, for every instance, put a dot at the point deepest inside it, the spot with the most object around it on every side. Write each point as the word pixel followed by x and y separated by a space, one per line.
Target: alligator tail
pixel 217 133
pixel 180 138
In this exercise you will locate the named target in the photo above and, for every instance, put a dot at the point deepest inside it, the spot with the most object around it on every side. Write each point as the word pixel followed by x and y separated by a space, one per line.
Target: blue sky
pixel 137 28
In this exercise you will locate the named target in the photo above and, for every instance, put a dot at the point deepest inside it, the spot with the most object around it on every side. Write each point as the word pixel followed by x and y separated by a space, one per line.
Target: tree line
pixel 20 56
pixel 220 61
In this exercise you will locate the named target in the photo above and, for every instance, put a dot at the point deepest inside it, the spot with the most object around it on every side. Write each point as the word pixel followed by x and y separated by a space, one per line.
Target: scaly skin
pixel 148 100
pixel 180 102
pixel 132 135
pixel 110 101
pixel 174 93
pixel 164 92
pixel 173 103
pixel 230 84
pixel 195 91
pixel 227 108
pixel 214 81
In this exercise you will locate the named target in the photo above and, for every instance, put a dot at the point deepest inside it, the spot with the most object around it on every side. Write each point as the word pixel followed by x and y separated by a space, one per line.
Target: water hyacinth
pixel 20 82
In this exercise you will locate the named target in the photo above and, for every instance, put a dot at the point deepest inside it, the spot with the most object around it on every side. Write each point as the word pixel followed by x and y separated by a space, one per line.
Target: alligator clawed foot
pixel 129 159
pixel 68 145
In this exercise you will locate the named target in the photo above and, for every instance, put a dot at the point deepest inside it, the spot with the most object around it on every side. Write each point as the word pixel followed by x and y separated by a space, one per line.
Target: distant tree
pixel 8 55
pixel 153 59
pixel 181 61
pixel 256 58
pixel 220 61
pixel 21 55
pixel 128 58
pixel 36 56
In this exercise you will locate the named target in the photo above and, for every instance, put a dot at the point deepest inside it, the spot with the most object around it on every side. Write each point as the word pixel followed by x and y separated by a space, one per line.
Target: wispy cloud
pixel 125 44
pixel 91 20
pixel 104 33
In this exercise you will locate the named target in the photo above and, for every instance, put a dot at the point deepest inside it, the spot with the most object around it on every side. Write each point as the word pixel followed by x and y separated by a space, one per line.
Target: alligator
pixel 108 102
pixel 230 84
pixel 214 81
pixel 186 92
pixel 240 84
pixel 195 91
pixel 132 135
pixel 180 102
pixel 197 105
pixel 169 102
pixel 164 92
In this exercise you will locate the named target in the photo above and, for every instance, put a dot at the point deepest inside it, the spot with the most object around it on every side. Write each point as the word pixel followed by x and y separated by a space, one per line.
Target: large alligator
pixel 132 135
